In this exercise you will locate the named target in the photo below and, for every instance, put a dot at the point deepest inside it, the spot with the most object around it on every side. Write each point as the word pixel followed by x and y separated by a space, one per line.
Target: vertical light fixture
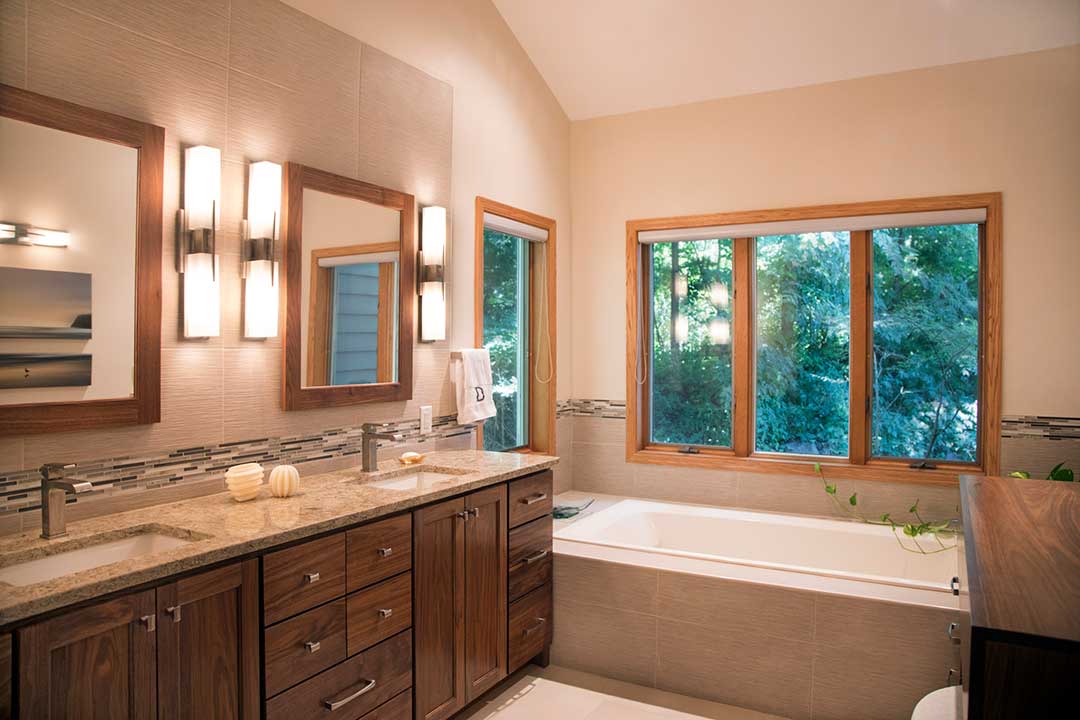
pixel 432 286
pixel 259 267
pixel 196 253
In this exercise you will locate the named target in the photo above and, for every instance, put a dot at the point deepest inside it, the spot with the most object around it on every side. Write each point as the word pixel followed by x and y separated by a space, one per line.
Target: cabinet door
pixel 5 676
pixel 96 662
pixel 208 645
pixel 439 608
pixel 485 589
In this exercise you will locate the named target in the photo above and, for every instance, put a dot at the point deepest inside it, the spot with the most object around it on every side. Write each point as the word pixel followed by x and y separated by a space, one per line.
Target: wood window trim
pixel 321 290
pixel 144 405
pixel 859 464
pixel 541 395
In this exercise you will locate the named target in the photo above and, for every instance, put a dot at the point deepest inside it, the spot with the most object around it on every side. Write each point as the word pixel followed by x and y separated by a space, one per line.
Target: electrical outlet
pixel 425 419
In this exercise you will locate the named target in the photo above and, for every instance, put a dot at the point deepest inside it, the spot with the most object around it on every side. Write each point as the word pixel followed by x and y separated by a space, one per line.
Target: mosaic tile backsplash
pixel 19 490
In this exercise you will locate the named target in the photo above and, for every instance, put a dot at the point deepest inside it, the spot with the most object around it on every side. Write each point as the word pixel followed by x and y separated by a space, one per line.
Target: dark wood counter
pixel 1022 552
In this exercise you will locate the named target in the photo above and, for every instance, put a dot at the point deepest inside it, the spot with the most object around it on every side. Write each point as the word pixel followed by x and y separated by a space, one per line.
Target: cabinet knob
pixel 312 646
pixel 311 578
pixel 386 612
pixel 386 551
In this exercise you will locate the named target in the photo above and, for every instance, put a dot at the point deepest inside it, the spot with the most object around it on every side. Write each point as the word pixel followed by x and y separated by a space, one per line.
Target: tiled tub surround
pixel 795 652
pixel 325 502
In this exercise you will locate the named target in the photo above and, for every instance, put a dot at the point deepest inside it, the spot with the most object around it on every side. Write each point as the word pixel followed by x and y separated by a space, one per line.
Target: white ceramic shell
pixel 284 481
pixel 243 481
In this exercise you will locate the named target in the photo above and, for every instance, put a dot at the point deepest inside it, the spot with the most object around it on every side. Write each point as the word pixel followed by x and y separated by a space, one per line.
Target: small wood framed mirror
pixel 80 266
pixel 350 253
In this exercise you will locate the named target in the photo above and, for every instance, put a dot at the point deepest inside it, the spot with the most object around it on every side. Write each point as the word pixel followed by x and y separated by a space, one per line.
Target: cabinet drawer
pixel 529 559
pixel 352 688
pixel 379 550
pixel 302 577
pixel 304 645
pixel 379 612
pixel 530 498
pixel 398 708
pixel 529 627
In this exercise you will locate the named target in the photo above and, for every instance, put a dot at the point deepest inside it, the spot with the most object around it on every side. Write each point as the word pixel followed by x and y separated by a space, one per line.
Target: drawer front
pixel 529 626
pixel 529 559
pixel 397 708
pixel 379 612
pixel 351 689
pixel 302 577
pixel 304 645
pixel 379 550
pixel 530 498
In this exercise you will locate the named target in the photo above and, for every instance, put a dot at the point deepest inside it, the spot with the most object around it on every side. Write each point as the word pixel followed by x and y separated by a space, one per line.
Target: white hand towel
pixel 471 376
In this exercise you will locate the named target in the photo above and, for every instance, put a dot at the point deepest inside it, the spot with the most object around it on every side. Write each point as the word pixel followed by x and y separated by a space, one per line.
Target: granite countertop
pixel 220 528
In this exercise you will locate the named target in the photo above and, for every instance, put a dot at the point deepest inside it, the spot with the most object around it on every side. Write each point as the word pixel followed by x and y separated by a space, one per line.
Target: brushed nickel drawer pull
pixel 386 612
pixel 950 631
pixel 386 551
pixel 335 704
pixel 533 499
pixel 464 514
pixel 150 621
pixel 475 512
pixel 535 557
pixel 311 578
pixel 539 624
pixel 313 646
pixel 954 585
pixel 175 612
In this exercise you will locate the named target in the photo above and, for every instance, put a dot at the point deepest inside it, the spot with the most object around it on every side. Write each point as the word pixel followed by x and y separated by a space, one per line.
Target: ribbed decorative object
pixel 284 481
pixel 244 480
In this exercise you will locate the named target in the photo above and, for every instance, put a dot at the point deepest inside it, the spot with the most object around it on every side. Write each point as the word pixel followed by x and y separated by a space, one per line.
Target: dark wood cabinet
pixel 439 608
pixel 99 661
pixel 485 590
pixel 6 671
pixel 208 645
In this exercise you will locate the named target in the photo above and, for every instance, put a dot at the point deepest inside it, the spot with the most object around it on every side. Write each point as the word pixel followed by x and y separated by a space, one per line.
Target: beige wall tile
pixel 197 26
pixel 457 442
pixel 13 42
pixel 563 477
pixel 1038 455
pixel 689 485
pixel 405 128
pixel 11 523
pixel 936 502
pixel 282 45
pixel 722 604
pixel 877 659
pixel 602 468
pixel 610 431
pixel 314 126
pixel 625 587
pixel 739 667
pixel 78 58
pixel 11 453
pixel 613 643
pixel 786 493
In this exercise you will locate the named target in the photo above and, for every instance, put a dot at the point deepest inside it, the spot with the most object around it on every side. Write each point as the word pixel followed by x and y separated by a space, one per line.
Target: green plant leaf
pixel 1060 472
pixel 852 499
pixel 1022 474
pixel 914 508
pixel 831 489
pixel 885 517
pixel 910 530
pixel 817 468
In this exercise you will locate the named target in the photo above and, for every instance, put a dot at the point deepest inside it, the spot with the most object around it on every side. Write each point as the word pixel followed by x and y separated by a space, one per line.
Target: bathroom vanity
pixel 1022 574
pixel 357 597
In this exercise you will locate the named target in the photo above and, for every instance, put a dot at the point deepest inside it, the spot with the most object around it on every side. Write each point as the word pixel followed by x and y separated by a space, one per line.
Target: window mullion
pixel 861 343
pixel 743 339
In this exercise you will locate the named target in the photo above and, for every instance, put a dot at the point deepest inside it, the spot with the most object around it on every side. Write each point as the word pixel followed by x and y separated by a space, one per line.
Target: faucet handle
pixel 47 469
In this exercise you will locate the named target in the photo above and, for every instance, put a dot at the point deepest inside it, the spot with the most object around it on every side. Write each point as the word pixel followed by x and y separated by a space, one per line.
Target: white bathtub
pixel 833 556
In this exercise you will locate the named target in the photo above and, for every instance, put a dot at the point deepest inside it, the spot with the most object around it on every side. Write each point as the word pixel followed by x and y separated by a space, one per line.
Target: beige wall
pixel 1008 125
pixel 442 103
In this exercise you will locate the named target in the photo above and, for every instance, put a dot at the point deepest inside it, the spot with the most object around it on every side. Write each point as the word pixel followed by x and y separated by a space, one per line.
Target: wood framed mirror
pixel 350 254
pixel 80 254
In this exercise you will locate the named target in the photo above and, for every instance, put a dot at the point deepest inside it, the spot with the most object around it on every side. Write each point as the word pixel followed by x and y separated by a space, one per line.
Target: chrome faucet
pixel 54 492
pixel 370 443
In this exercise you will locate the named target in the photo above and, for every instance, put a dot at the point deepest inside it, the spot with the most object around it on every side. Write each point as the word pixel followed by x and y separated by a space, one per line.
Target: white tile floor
pixel 563 694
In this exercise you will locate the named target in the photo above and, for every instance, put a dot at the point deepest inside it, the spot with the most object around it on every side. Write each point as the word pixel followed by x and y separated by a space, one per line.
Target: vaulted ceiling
pixel 605 57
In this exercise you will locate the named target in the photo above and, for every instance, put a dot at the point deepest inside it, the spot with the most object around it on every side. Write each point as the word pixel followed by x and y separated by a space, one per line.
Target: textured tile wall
pixel 260 80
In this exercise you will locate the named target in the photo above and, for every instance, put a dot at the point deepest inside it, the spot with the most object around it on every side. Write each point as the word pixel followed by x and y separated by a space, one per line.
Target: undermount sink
pixel 94 552
pixel 421 478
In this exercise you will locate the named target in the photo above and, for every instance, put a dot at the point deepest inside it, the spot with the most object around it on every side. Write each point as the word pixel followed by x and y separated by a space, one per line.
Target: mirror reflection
pixel 351 275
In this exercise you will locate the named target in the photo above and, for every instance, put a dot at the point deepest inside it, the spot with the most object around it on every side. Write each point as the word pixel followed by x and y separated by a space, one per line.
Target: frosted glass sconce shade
pixel 260 268
pixel 202 296
pixel 197 242
pixel 261 299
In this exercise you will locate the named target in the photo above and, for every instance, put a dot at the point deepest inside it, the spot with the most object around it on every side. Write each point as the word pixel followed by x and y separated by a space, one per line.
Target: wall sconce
pixel 196 243
pixel 259 267
pixel 23 234
pixel 432 286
